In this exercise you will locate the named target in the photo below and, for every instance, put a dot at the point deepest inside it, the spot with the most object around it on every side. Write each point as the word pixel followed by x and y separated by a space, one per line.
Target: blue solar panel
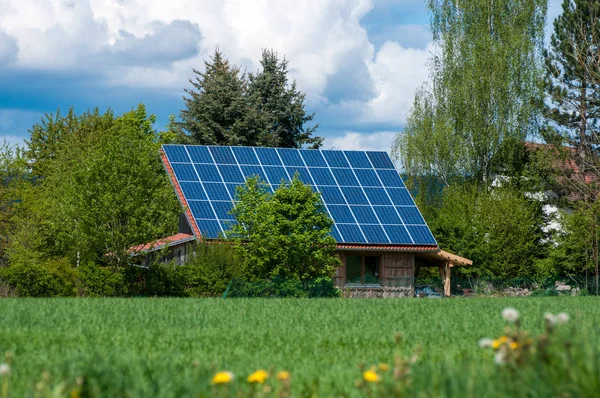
pixel 362 191
pixel 390 178
pixel 176 153
pixel 251 171
pixel 380 160
pixel 367 178
pixel 387 214
pixel 313 158
pixel 322 176
pixel 358 160
pixel 410 215
pixel 303 174
pixel 290 157
pixel 335 158
pixel 245 155
pixel 216 191
pixel 268 156
pixel 341 214
pixel 364 215
pixel 400 196
pixel 377 196
pixel 374 233
pixel 222 210
pixel 351 233
pixel 210 229
pixel 421 234
pixel 184 172
pixel 222 154
pixel 231 173
pixel 332 195
pixel 232 188
pixel 276 175
pixel 354 196
pixel 201 209
pixel 199 154
pixel 345 177
pixel 397 234
pixel 193 190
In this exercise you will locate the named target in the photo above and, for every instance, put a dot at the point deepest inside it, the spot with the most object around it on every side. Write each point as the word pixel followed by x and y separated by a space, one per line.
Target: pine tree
pixel 278 108
pixel 216 107
pixel 573 85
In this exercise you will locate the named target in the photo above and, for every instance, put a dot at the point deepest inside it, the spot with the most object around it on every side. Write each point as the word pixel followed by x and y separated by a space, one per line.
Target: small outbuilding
pixel 382 237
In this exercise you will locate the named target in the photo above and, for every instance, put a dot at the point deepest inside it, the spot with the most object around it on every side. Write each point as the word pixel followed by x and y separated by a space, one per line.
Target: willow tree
pixel 484 94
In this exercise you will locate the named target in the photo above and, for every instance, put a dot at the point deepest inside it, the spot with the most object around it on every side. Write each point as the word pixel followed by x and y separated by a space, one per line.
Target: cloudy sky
pixel 358 61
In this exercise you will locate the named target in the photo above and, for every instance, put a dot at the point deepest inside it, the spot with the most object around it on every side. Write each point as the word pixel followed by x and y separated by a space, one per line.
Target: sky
pixel 358 61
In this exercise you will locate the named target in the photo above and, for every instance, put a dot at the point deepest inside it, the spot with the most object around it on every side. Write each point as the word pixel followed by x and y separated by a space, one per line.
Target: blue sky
pixel 358 61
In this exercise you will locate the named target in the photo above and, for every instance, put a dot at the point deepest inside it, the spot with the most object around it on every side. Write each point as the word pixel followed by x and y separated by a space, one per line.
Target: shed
pixel 381 235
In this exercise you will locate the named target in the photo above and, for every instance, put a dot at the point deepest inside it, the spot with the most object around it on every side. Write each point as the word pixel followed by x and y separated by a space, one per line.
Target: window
pixel 363 270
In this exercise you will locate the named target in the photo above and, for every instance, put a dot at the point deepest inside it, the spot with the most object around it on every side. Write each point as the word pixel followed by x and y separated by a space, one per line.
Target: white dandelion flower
pixel 510 315
pixel 4 369
pixel 485 343
pixel 500 357
pixel 562 318
pixel 550 319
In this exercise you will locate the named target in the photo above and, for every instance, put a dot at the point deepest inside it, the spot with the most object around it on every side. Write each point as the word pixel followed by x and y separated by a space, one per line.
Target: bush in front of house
pixel 97 281
pixel 51 278
pixel 280 288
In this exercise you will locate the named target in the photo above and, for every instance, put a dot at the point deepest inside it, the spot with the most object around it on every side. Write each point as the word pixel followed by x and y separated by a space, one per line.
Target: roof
pixel 361 190
pixel 445 256
pixel 159 244
pixel 565 160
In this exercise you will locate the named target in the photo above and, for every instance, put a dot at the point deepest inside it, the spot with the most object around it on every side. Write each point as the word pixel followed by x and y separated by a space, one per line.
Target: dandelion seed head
pixel 4 369
pixel 562 318
pixel 550 318
pixel 485 343
pixel 510 315
pixel 500 358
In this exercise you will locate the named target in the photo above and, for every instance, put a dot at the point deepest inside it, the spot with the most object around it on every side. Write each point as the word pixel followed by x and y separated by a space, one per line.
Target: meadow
pixel 172 347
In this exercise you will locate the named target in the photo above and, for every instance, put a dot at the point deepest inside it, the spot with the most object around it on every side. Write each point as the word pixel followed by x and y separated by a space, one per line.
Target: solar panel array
pixel 361 190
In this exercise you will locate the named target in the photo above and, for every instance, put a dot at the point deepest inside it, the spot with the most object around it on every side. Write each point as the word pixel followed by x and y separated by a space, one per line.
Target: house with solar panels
pixel 382 238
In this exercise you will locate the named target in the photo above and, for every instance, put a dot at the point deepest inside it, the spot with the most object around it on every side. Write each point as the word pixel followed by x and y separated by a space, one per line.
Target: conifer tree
pixel 216 107
pixel 278 108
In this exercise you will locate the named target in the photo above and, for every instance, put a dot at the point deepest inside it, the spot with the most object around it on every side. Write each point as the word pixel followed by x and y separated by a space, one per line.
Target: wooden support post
pixel 447 270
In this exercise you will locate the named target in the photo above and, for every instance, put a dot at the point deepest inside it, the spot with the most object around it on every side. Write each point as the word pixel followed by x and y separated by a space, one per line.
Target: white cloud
pixel 8 48
pixel 380 141
pixel 153 44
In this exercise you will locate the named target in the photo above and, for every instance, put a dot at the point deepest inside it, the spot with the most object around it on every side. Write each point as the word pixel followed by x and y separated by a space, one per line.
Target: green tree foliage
pixel 228 107
pixel 501 231
pixel 484 94
pixel 103 190
pixel 285 234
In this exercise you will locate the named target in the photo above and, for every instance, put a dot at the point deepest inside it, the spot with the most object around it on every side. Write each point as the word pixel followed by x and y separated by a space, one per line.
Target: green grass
pixel 148 347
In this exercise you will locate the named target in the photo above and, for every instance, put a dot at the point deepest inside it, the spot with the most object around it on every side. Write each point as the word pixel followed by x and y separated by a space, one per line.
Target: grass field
pixel 172 347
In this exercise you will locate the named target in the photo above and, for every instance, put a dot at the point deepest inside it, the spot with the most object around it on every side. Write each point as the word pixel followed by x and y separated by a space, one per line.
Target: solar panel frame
pixel 363 184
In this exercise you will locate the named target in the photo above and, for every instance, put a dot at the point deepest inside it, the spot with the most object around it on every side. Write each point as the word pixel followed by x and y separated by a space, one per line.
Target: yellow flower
pixel 496 344
pixel 222 378
pixel 503 339
pixel 513 345
pixel 258 377
pixel 283 375
pixel 384 367
pixel 371 376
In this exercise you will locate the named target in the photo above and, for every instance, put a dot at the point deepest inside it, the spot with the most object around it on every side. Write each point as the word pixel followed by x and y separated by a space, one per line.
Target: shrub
pixel 211 270
pixel 97 281
pixel 278 287
pixel 50 278
pixel 155 280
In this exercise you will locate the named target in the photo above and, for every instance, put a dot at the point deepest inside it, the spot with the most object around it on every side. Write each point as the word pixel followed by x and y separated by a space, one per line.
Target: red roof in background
pixel 159 244
pixel 567 164
pixel 395 248
pixel 180 195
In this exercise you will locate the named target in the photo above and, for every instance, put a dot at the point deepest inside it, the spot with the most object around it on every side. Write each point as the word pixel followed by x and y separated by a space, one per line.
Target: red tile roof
pixel 159 244
pixel 180 195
